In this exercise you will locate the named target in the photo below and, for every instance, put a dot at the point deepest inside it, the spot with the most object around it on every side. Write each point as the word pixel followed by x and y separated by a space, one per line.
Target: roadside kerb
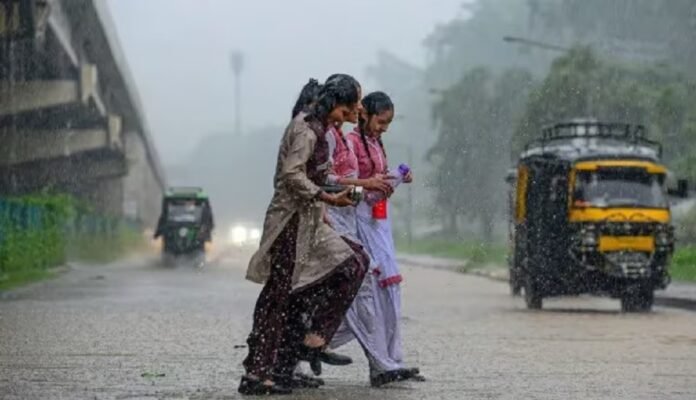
pixel 677 295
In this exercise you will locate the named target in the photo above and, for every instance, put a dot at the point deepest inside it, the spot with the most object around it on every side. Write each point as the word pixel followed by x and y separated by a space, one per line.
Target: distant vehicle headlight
pixel 255 234
pixel 238 235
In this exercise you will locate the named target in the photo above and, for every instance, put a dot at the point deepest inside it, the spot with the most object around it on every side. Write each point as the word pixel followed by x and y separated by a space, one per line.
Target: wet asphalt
pixel 135 330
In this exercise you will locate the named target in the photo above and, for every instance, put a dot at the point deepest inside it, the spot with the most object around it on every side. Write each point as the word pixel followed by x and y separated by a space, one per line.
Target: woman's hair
pixel 339 89
pixel 308 96
pixel 374 103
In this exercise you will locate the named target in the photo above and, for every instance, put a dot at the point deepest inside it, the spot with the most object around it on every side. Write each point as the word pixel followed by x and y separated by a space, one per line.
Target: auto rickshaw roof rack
pixel 186 192
pixel 633 134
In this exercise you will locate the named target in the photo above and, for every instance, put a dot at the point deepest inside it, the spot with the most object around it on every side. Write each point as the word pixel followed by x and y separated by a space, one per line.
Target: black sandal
pixel 397 375
pixel 254 387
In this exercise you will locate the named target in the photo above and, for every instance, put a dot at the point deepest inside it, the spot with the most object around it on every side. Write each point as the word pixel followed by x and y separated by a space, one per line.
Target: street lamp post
pixel 237 61
pixel 534 43
pixel 551 47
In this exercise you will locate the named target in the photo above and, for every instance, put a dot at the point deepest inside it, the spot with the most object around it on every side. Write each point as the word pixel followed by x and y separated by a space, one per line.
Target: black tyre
pixel 532 295
pixel 515 285
pixel 637 299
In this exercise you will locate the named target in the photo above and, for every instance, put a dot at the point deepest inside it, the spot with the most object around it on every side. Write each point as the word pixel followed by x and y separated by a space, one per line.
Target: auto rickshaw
pixel 589 214
pixel 185 224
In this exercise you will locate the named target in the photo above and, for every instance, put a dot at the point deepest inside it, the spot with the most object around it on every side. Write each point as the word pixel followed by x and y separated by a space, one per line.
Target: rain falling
pixel 393 199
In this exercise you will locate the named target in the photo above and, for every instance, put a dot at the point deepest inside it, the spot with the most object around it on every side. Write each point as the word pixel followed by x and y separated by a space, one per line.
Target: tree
pixel 475 119
pixel 581 85
pixel 466 43
pixel 634 29
pixel 409 133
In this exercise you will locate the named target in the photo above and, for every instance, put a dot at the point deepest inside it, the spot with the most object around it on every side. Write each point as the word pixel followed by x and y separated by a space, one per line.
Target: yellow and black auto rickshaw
pixel 590 214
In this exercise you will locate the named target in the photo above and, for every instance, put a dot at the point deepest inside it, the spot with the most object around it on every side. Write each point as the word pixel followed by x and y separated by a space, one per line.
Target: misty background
pixel 179 53
pixel 471 80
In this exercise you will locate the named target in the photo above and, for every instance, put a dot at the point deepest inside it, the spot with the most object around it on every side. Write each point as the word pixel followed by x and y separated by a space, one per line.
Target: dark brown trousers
pixel 283 317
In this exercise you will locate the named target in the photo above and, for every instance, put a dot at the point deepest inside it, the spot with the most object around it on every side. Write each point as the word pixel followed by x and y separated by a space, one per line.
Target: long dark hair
pixel 339 89
pixel 308 96
pixel 374 103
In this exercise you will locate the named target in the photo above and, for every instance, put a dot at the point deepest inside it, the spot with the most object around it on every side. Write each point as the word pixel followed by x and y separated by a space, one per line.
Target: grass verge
pixel 683 266
pixel 24 277
pixel 478 254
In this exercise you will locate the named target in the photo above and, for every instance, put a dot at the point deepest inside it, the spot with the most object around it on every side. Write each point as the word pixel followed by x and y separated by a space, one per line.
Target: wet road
pixel 136 331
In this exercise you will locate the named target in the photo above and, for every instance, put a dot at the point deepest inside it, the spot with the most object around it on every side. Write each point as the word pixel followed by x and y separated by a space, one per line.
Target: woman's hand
pixel 409 177
pixel 342 199
pixel 379 182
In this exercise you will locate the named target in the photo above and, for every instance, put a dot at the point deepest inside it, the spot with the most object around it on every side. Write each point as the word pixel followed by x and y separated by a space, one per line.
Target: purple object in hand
pixel 404 169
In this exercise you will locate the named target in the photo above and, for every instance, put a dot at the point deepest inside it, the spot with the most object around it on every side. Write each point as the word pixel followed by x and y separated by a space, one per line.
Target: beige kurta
pixel 319 248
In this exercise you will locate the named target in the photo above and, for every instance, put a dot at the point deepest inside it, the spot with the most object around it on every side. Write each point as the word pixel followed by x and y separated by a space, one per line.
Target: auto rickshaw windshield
pixel 620 187
pixel 186 211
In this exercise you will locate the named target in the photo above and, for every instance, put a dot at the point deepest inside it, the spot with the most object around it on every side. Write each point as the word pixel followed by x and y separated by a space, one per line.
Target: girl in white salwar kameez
pixel 373 319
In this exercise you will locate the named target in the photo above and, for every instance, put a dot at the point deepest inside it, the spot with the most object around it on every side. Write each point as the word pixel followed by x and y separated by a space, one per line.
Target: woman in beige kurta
pixel 311 274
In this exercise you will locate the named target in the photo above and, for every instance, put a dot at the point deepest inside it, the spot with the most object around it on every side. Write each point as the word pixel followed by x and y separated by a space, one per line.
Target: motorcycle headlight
pixel 183 232
pixel 238 235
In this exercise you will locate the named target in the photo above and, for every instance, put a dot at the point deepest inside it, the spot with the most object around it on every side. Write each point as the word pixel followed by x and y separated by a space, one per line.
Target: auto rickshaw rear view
pixel 590 214
pixel 185 224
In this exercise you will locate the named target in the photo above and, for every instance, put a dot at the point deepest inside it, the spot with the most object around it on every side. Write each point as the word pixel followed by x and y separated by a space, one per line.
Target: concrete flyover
pixel 70 117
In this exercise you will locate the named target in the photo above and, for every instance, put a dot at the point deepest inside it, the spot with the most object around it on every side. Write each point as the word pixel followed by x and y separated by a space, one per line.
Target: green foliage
pixel 476 119
pixel 112 241
pixel 477 253
pixel 32 232
pixel 631 29
pixel 466 43
pixel 683 266
pixel 42 231
pixel 582 85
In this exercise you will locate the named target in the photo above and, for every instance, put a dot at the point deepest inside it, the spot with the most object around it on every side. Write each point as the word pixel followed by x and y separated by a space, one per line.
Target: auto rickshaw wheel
pixel 515 285
pixel 637 299
pixel 532 295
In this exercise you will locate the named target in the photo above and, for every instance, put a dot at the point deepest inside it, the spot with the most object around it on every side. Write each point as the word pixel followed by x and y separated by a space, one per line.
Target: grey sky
pixel 179 52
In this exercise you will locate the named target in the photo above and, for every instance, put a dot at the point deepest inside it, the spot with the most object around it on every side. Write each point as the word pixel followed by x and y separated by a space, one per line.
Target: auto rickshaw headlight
pixel 183 232
pixel 663 238
pixel 588 236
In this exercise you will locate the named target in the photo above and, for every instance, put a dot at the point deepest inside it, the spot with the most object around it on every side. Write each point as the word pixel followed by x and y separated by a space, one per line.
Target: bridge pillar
pixel 142 190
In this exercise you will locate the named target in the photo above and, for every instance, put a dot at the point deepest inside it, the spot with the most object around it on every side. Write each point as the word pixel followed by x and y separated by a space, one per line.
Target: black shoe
pixel 330 358
pixel 312 356
pixel 397 375
pixel 254 387
pixel 298 381
pixel 305 377
pixel 315 366
pixel 316 356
